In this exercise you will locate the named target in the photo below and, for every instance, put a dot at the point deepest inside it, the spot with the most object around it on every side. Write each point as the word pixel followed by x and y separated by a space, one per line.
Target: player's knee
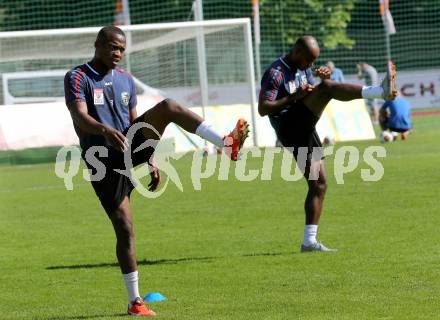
pixel 171 107
pixel 123 227
pixel 125 232
pixel 319 187
pixel 326 84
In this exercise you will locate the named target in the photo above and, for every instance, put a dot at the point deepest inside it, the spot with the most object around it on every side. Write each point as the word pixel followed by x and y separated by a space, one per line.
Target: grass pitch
pixel 231 251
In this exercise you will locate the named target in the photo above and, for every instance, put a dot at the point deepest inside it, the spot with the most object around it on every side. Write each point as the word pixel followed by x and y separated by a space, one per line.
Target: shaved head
pixel 106 33
pixel 308 44
pixel 304 52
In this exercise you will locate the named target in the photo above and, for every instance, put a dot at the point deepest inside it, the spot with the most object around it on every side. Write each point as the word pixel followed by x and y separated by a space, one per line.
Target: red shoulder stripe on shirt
pixel 66 85
pixel 272 94
pixel 77 78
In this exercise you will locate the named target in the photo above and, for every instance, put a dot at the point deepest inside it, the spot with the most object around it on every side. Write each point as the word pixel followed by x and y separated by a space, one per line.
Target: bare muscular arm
pixel 81 118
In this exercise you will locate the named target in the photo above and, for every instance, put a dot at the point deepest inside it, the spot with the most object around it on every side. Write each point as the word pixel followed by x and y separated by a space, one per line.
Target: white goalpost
pixel 163 56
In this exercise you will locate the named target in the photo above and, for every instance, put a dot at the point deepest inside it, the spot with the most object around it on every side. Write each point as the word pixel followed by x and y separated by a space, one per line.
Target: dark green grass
pixel 231 251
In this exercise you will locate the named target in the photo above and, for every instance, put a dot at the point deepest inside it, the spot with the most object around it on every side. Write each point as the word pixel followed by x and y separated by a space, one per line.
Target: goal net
pixel 205 64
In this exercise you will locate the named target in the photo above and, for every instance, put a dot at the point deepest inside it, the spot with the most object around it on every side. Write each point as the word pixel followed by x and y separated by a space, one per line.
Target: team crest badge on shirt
pixel 303 79
pixel 125 98
pixel 98 96
pixel 292 86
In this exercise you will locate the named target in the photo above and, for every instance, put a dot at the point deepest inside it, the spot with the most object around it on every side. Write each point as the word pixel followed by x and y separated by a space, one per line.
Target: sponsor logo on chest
pixel 98 96
pixel 292 86
pixel 302 80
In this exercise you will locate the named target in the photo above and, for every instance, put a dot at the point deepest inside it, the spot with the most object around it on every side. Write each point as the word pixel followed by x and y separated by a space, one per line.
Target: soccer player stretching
pixel 102 102
pixel 294 103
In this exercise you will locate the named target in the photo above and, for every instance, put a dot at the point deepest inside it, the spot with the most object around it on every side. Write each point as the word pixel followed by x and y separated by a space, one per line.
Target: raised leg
pixel 318 99
pixel 166 112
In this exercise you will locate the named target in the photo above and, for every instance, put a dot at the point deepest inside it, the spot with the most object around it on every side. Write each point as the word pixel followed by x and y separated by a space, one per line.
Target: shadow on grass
pixel 266 254
pixel 166 261
pixel 102 316
pixel 139 262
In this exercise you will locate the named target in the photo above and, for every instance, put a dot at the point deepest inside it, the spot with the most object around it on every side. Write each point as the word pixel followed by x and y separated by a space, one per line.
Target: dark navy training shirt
pixel 279 81
pixel 108 97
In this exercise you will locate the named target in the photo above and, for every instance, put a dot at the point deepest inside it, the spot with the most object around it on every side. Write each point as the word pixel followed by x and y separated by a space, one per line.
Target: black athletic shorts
pixel 295 127
pixel 114 187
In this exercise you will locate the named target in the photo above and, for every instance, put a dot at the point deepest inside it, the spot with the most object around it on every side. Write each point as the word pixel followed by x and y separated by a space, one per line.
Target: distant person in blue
pixel 102 101
pixel 336 73
pixel 294 102
pixel 395 116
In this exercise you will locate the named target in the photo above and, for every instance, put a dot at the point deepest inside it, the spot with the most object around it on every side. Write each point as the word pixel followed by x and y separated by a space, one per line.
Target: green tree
pixel 326 20
pixel 51 14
